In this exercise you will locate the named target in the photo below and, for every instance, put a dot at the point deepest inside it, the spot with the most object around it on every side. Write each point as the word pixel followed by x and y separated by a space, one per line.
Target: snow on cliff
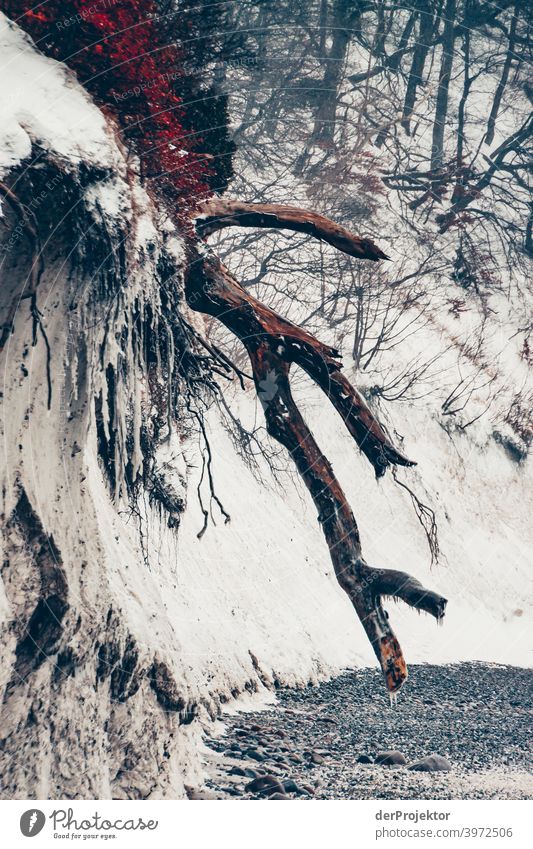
pixel 41 102
pixel 152 626
pixel 116 630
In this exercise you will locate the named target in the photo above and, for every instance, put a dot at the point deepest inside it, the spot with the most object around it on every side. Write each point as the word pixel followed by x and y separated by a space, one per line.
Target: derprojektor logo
pixel 32 822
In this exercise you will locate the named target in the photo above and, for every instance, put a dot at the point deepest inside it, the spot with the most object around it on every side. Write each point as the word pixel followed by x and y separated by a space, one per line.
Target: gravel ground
pixel 477 716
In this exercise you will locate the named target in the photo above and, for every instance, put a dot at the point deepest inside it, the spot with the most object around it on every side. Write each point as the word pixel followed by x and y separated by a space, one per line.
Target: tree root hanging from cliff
pixel 273 345
pixel 207 463
pixel 28 224
pixel 426 517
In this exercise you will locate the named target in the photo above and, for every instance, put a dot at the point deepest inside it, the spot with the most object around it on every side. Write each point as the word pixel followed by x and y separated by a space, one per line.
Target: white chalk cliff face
pixel 121 631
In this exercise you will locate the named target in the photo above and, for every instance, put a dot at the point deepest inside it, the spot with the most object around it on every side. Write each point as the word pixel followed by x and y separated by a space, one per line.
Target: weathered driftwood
pixel 296 345
pixel 273 344
pixel 218 213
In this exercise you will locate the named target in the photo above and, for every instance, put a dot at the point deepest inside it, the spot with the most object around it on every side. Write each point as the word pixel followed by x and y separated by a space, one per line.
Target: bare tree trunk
pixel 381 31
pixel 491 123
pixel 357 349
pixel 528 241
pixel 323 27
pixel 467 83
pixel 461 171
pixel 217 214
pixel 393 63
pixel 441 109
pixel 324 129
pixel 425 33
pixel 342 16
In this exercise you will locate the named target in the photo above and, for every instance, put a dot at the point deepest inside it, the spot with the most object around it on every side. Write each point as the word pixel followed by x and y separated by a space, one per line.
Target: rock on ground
pixel 457 731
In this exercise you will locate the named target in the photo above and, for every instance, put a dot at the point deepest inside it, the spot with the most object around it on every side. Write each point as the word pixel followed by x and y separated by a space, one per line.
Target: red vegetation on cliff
pixel 128 58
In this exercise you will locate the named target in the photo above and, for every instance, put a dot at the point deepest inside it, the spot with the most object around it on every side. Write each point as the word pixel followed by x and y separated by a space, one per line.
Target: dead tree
pixel 429 20
pixel 273 344
pixel 441 107
pixel 498 95
pixel 218 213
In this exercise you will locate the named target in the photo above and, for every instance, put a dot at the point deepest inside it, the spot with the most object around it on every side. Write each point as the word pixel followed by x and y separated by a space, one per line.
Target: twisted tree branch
pixel 217 293
pixel 218 213
pixel 273 344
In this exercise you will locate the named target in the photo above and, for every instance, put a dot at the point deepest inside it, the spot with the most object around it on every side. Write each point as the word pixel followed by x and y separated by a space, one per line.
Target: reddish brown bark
pixel 218 213
pixel 249 317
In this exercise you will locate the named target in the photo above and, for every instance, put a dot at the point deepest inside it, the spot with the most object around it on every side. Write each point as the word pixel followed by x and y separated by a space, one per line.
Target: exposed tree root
pixel 207 461
pixel 426 517
pixel 28 223
pixel 29 226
